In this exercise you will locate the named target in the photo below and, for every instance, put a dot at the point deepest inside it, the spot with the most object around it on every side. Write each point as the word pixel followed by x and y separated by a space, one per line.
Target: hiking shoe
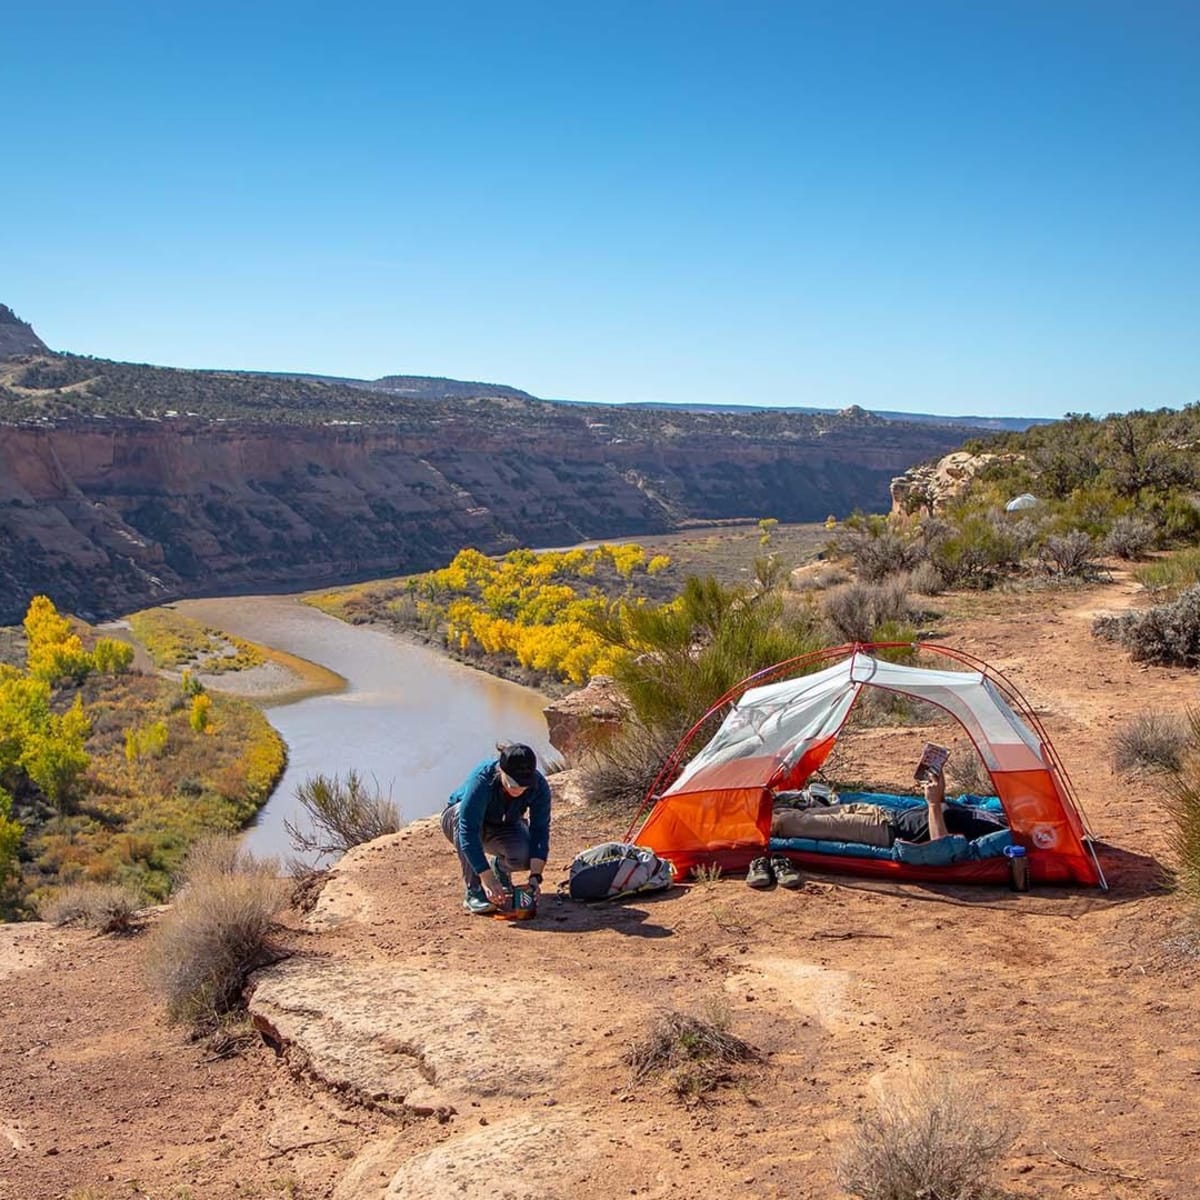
pixel 759 874
pixel 786 872
pixel 501 874
pixel 476 903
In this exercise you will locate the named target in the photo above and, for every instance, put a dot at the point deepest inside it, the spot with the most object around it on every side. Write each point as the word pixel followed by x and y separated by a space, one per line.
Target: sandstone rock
pixel 585 718
pixel 428 1041
pixel 519 1159
pixel 929 488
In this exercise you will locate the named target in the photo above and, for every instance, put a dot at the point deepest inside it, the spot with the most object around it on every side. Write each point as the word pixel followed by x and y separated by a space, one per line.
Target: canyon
pixel 123 485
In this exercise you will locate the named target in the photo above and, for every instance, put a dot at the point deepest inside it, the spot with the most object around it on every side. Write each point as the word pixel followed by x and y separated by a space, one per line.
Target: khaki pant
pixel 865 823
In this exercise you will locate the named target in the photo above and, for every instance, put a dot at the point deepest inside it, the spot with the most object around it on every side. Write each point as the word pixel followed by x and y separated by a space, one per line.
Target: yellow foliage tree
pixel 199 715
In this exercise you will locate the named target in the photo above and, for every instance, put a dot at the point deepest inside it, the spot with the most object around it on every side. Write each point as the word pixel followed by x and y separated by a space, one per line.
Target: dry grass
pixel 219 929
pixel 1151 741
pixel 693 1054
pixel 620 772
pixel 927 580
pixel 1183 791
pixel 934 1137
pixel 966 773
pixel 104 907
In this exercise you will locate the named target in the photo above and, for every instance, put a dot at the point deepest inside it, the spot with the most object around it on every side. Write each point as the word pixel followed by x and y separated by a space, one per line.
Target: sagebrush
pixel 1167 635
pixel 858 611
pixel 221 927
pixel 1151 741
pixel 934 1137
pixel 104 907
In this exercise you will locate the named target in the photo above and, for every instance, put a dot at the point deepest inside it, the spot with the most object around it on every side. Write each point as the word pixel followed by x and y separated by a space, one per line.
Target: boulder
pixel 585 718
pixel 928 488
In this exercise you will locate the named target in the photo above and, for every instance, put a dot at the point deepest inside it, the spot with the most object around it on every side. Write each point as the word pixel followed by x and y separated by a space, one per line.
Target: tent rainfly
pixel 715 806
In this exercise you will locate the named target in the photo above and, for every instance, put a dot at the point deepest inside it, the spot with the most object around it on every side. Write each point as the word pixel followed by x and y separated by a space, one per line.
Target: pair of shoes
pixel 759 875
pixel 476 902
pixel 786 873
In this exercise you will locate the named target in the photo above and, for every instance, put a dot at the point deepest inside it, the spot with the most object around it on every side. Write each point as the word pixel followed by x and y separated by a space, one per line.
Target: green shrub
pixel 1179 519
pixel 1167 635
pixel 1171 574
pixel 105 907
pixel 1183 792
pixel 220 929
pixel 682 656
pixel 1093 510
pixel 975 552
pixel 342 814
pixel 932 1136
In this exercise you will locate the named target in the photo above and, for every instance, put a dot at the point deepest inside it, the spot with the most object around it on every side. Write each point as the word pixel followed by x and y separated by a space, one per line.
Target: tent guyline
pixel 778 726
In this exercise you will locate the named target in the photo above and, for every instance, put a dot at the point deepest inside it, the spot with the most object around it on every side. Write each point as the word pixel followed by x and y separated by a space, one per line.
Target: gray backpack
pixel 615 869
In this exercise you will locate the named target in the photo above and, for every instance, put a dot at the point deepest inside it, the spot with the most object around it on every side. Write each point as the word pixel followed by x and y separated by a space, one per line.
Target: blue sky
pixel 937 207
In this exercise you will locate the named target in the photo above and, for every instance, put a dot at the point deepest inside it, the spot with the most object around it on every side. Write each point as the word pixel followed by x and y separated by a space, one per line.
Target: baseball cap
pixel 519 763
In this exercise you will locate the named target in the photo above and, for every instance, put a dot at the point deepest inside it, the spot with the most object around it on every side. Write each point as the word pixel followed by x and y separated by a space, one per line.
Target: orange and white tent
pixel 714 806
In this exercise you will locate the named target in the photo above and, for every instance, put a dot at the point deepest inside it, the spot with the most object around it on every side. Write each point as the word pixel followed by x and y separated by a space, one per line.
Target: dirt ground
pixel 1073 1009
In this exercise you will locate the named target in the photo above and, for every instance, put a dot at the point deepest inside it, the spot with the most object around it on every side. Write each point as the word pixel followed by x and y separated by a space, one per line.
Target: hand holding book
pixel 933 759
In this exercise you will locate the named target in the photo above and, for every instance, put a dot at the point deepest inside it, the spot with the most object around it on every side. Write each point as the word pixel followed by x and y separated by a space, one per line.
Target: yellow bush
pixel 198 715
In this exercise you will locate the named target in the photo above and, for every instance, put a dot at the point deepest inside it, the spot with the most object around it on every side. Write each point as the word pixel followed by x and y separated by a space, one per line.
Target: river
pixel 408 717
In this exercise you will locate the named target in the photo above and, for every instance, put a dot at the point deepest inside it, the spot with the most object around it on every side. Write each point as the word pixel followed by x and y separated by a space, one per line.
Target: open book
pixel 933 759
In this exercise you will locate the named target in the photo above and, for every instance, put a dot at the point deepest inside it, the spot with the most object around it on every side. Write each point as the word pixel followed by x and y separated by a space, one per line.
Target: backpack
pixel 615 869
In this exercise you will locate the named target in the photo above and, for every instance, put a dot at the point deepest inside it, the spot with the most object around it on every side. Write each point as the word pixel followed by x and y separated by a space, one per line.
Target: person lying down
pixel 877 825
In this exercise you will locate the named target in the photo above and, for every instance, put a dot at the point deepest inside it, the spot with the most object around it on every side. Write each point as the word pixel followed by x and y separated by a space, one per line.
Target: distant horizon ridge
pixel 402 383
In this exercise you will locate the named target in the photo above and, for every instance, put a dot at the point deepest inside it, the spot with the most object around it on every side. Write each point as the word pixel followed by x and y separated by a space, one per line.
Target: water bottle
pixel 1018 866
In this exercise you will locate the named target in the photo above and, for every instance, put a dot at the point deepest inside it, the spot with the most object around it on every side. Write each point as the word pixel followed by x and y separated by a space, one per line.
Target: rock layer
pixel 110 515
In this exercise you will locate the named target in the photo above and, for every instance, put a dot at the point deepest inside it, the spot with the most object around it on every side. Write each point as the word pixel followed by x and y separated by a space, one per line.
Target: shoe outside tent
pixel 714 805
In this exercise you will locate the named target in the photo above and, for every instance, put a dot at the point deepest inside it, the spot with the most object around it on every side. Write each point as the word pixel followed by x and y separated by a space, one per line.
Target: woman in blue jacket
pixel 486 816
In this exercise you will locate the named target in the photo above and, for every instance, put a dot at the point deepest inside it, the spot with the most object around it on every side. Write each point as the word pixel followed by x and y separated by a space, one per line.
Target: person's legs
pixel 450 829
pixel 510 845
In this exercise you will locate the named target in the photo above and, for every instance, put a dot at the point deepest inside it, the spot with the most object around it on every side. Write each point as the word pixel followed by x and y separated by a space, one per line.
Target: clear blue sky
pixel 951 207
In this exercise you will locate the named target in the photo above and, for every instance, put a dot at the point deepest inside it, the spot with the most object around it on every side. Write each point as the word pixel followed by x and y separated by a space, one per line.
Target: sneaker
pixel 500 873
pixel 759 875
pixel 786 872
pixel 476 902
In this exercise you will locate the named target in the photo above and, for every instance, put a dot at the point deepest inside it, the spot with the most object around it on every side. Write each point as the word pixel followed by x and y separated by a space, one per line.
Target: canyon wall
pixel 111 514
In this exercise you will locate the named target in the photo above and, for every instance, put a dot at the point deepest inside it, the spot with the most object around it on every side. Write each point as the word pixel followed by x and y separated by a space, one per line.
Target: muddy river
pixel 406 716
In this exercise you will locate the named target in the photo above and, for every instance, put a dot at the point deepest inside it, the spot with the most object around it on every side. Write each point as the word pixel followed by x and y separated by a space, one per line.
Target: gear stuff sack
pixel 615 869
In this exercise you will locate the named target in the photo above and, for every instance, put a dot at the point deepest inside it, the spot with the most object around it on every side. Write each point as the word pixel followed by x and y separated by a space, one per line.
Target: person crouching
pixel 486 816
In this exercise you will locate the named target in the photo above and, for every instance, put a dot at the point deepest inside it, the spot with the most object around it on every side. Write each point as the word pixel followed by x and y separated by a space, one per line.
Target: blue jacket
pixel 482 802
